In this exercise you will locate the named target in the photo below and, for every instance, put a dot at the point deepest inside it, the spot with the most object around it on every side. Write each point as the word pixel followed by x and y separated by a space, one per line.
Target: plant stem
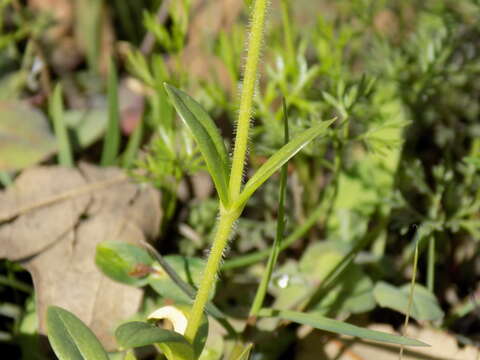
pixel 431 263
pixel 249 81
pixel 412 288
pixel 209 276
pixel 228 216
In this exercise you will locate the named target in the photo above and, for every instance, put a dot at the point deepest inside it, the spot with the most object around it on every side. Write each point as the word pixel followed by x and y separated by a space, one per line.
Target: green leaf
pixel 111 144
pixel 25 137
pixel 86 126
pixel 424 306
pixel 65 157
pixel 136 334
pixel 276 248
pixel 339 327
pixel 207 137
pixel 70 338
pixel 123 262
pixel 276 161
pixel 133 145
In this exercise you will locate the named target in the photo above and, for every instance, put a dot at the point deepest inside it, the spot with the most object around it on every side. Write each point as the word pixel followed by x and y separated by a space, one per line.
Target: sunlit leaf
pixel 123 262
pixel 276 161
pixel 339 327
pixel 207 136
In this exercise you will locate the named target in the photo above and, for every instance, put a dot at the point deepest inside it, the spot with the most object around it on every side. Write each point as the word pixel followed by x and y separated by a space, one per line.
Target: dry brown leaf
pixel 443 347
pixel 28 235
pixel 59 216
pixel 66 276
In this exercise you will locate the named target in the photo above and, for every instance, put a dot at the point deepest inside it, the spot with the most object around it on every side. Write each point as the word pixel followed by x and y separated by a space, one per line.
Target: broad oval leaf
pixel 276 161
pixel 25 137
pixel 424 305
pixel 207 137
pixel 123 262
pixel 339 327
pixel 70 338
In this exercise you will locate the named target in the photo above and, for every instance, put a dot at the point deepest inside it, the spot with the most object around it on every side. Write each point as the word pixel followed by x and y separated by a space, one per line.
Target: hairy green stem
pixel 209 275
pixel 228 216
pixel 246 99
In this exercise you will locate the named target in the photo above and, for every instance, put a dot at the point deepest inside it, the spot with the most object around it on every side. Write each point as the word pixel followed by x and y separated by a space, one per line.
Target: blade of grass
pixel 431 264
pixel 277 160
pixel 418 237
pixel 111 143
pixel 272 260
pixel 133 145
pixel 207 137
pixel 65 157
pixel 339 327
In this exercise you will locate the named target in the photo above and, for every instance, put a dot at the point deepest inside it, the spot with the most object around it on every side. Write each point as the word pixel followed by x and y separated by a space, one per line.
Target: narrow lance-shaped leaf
pixel 339 327
pixel 275 251
pixel 207 137
pixel 277 160
pixel 70 338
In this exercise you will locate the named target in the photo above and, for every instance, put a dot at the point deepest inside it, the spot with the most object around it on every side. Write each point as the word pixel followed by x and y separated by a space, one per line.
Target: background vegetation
pixel 390 193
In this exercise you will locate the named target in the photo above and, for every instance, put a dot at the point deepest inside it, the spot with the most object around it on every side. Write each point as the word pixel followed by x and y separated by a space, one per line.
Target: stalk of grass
pixel 431 263
pixel 288 34
pixel 229 215
pixel 65 157
pixel 133 145
pixel 111 143
pixel 418 238
pixel 276 248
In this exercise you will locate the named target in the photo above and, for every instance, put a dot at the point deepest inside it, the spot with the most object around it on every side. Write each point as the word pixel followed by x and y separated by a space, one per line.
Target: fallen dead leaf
pixel 53 218
pixel 28 235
